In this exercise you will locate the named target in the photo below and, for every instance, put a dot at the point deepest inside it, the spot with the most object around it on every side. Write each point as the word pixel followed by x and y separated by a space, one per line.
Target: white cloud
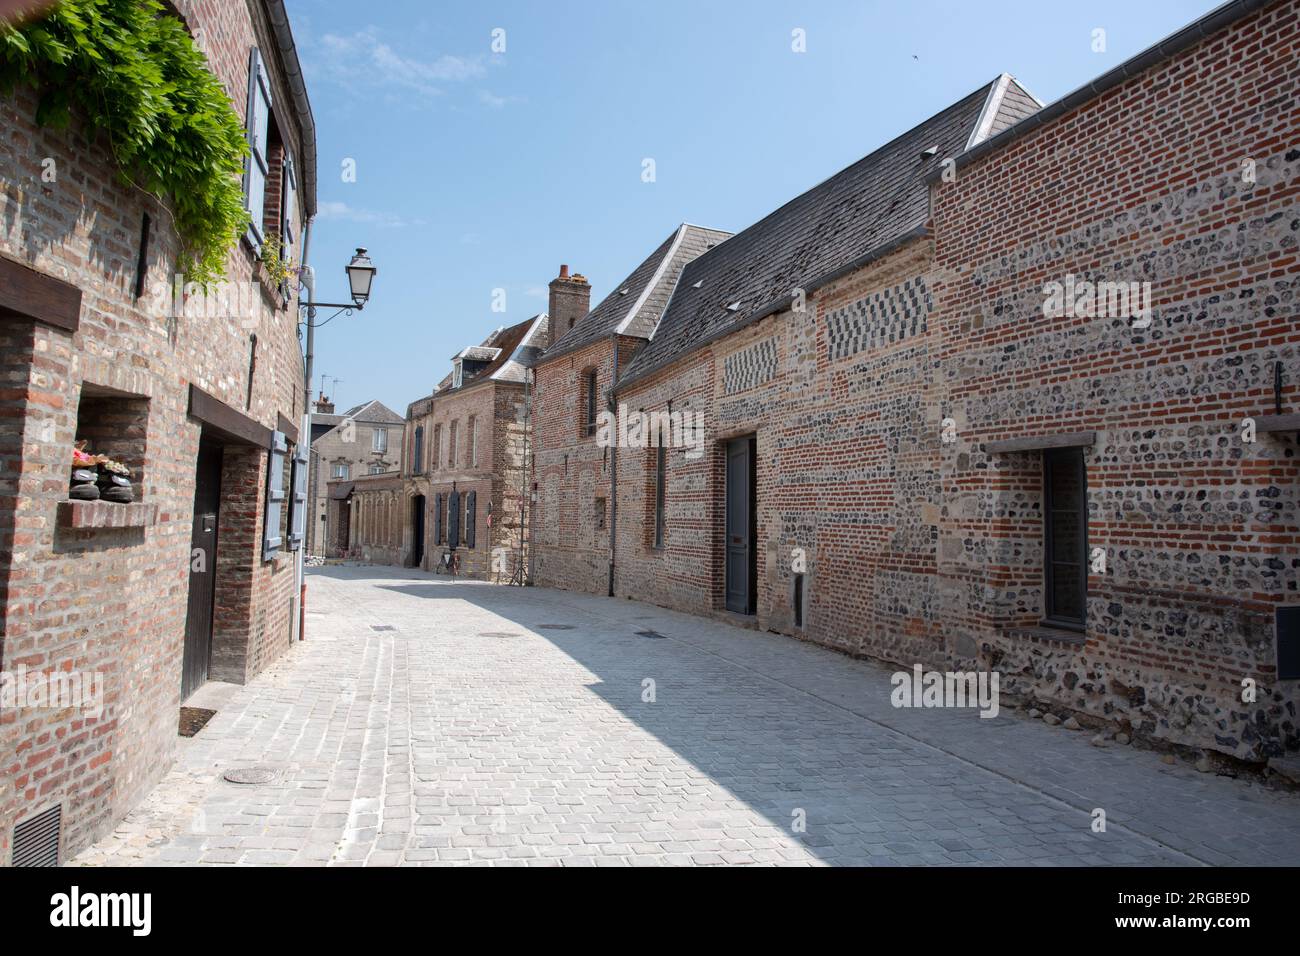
pixel 341 211
pixel 363 60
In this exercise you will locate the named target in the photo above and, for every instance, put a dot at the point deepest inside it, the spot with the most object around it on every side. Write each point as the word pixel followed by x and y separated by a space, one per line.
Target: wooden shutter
pixel 289 211
pixel 274 496
pixel 437 519
pixel 298 503
pixel 453 520
pixel 256 165
pixel 470 505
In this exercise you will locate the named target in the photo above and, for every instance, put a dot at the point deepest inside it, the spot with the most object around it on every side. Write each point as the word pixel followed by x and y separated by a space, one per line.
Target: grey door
pixel 740 526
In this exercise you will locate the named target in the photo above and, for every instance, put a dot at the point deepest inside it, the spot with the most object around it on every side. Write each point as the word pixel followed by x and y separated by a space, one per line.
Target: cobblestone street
pixel 428 721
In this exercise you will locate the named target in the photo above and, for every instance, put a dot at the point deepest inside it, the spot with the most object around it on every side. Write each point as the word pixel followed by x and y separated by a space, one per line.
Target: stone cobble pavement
pixel 432 721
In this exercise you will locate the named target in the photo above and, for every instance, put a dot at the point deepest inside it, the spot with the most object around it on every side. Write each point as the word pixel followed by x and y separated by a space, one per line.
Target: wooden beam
pixel 30 296
pixel 289 428
pixel 1278 423
pixel 227 423
pixel 1041 443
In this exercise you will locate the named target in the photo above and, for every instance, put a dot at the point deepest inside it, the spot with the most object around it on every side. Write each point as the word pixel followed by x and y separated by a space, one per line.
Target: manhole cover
pixel 249 775
pixel 382 627
pixel 497 634
pixel 653 634
pixel 555 627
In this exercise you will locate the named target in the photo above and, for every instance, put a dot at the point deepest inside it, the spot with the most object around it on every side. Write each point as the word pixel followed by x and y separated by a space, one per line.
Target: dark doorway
pixel 417 532
pixel 741 526
pixel 203 569
pixel 1065 544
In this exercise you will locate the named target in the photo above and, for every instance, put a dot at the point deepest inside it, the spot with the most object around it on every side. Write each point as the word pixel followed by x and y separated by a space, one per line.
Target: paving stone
pixel 428 745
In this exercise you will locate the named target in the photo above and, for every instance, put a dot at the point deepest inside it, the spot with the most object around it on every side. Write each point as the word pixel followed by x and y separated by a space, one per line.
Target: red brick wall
pixel 113 602
pixel 571 471
pixel 1201 530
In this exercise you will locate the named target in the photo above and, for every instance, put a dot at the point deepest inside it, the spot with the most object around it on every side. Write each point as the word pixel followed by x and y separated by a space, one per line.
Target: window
pixel 451 446
pixel 457 374
pixel 341 470
pixel 417 451
pixel 379 440
pixel 1065 538
pixel 471 518
pixel 661 473
pixel 376 468
pixel 439 519
pixel 473 442
pixel 590 416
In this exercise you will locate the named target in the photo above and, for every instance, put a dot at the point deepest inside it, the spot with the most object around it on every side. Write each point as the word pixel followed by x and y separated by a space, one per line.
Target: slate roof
pixel 509 348
pixel 860 212
pixel 634 306
pixel 373 411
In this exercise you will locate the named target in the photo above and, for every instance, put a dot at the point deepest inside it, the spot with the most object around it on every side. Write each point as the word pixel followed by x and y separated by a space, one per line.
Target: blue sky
pixel 478 171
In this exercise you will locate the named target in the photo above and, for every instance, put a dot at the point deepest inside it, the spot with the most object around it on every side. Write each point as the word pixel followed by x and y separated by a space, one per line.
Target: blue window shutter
pixel 453 520
pixel 289 211
pixel 298 503
pixel 255 166
pixel 471 501
pixel 274 496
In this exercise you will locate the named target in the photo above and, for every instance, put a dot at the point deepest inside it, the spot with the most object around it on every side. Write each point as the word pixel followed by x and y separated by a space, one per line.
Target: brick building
pixel 466 458
pixel 365 440
pixel 927 440
pixel 195 577
pixel 570 532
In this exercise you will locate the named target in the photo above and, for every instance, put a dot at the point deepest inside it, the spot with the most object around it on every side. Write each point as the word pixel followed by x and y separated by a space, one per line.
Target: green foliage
pixel 278 269
pixel 134 73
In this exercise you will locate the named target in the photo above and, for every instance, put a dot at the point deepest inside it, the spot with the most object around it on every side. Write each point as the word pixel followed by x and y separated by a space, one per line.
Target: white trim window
pixel 341 470
pixel 379 440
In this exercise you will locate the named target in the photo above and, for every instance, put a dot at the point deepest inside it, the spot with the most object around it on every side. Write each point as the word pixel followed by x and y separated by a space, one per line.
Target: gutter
pixel 613 470
pixel 1208 25
pixel 779 305
pixel 298 94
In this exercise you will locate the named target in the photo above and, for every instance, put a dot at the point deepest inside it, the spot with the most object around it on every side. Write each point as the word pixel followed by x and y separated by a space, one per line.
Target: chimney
pixel 324 406
pixel 570 300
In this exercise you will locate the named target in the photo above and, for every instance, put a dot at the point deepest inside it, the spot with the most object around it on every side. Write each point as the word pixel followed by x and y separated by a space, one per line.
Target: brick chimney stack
pixel 324 406
pixel 570 300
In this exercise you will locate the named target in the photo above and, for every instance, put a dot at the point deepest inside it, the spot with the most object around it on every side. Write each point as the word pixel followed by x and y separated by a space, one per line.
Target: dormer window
pixel 457 374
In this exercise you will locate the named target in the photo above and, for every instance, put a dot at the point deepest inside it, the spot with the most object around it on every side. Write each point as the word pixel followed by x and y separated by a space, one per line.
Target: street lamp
pixel 361 272
pixel 361 275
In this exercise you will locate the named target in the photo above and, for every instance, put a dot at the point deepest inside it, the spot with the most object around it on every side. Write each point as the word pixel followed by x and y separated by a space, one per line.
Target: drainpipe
pixel 308 279
pixel 613 467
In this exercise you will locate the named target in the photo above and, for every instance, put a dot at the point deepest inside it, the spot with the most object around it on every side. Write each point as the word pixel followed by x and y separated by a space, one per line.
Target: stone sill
pixel 90 515
pixel 1053 635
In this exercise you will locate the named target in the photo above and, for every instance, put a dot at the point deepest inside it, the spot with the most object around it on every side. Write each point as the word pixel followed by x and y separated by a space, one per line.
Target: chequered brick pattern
pixel 749 367
pixel 880 319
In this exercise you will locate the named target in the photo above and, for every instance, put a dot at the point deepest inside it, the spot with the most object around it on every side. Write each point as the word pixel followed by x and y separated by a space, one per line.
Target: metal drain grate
pixel 653 634
pixel 36 840
pixel 555 627
pixel 249 776
pixel 382 627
